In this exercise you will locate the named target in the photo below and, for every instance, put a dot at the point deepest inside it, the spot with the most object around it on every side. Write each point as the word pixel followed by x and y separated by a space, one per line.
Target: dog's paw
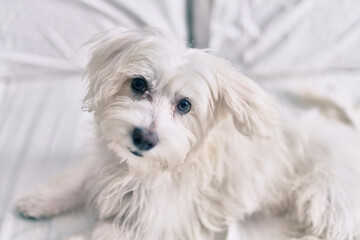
pixel 35 206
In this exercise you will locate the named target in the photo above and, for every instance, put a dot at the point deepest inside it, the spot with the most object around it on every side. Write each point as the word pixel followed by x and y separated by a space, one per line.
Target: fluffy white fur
pixel 228 158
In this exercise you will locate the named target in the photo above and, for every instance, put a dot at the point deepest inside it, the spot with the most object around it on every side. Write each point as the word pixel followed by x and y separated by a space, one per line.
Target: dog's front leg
pixel 103 230
pixel 62 194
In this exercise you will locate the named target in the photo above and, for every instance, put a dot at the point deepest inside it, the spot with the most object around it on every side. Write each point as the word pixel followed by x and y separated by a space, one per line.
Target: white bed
pixel 306 52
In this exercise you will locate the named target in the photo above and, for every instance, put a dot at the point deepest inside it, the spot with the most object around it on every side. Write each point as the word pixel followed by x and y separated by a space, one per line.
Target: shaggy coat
pixel 228 158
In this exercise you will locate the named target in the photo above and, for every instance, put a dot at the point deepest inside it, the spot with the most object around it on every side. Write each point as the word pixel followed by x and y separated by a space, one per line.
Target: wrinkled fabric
pixel 305 52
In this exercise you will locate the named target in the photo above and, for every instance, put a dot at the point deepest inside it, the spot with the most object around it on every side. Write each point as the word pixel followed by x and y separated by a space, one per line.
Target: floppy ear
pixel 254 111
pixel 104 66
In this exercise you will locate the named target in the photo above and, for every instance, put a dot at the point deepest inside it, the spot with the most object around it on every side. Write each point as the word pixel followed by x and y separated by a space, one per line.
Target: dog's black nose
pixel 144 139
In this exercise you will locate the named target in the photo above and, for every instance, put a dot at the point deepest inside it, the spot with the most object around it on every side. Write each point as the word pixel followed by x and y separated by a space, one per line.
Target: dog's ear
pixel 104 66
pixel 254 111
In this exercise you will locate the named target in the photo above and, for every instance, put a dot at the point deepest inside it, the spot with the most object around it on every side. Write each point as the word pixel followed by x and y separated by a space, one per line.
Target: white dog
pixel 186 145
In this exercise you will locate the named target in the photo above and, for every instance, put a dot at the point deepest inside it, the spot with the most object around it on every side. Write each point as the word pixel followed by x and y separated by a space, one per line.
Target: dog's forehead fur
pixel 171 70
pixel 168 66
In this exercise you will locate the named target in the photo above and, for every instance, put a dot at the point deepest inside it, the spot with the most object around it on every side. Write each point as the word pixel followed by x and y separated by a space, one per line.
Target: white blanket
pixel 305 52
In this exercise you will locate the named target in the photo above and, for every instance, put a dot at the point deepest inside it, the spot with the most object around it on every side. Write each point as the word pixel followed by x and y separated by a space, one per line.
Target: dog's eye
pixel 139 85
pixel 184 106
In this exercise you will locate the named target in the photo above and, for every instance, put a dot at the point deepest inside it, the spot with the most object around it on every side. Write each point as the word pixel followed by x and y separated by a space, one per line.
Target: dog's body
pixel 185 146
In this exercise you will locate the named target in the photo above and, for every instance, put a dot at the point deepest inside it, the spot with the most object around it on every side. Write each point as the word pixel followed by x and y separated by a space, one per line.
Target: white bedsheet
pixel 306 52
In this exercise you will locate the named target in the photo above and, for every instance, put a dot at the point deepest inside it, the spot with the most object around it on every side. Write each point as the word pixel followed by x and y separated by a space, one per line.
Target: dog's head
pixel 155 100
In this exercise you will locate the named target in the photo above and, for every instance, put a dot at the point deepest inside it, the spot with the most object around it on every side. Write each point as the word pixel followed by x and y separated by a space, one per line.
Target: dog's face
pixel 155 100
